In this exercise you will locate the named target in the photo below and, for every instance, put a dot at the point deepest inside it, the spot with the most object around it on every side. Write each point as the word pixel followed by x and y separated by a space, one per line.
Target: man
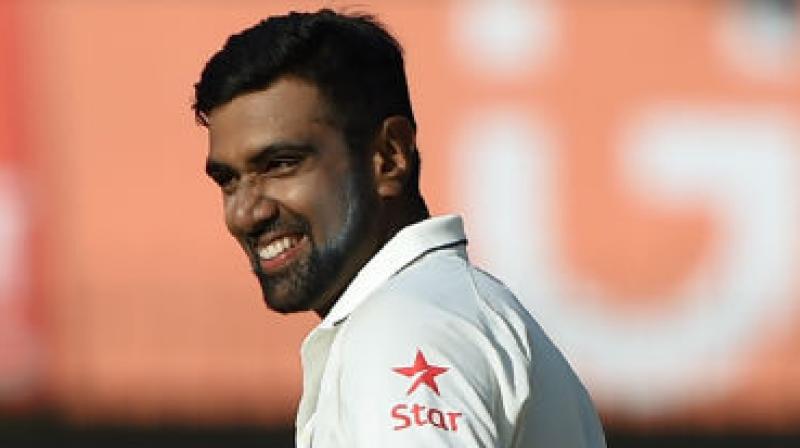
pixel 312 141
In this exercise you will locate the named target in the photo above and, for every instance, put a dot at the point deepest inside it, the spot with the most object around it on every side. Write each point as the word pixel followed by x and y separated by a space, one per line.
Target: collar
pixel 406 246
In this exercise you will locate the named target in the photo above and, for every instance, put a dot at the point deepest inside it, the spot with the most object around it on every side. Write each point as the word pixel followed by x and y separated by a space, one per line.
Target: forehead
pixel 289 110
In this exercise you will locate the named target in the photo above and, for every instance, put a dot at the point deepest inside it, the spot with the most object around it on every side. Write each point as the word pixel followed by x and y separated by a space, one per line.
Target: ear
pixel 393 154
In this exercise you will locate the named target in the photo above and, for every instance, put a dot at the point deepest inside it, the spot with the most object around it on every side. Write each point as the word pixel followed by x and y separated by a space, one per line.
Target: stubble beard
pixel 303 286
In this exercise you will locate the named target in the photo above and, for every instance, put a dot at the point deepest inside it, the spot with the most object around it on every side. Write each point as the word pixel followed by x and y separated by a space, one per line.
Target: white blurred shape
pixel 18 355
pixel 506 163
pixel 743 166
pixel 11 235
pixel 503 37
pixel 759 38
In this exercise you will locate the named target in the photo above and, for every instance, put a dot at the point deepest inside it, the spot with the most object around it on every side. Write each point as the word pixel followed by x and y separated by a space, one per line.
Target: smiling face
pixel 295 196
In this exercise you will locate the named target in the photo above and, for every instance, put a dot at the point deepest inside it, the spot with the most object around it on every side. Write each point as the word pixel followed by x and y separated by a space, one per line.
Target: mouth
pixel 276 253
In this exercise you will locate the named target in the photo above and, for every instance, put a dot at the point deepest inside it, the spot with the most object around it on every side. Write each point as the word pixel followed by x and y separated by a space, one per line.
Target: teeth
pixel 276 247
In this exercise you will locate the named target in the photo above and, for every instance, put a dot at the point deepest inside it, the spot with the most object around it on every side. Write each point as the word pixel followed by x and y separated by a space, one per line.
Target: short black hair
pixel 351 58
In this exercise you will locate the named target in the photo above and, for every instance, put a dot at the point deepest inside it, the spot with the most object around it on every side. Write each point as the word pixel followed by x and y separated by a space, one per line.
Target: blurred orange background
pixel 630 169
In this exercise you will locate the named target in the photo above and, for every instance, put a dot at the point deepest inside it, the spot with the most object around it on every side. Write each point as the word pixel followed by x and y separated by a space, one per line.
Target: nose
pixel 248 210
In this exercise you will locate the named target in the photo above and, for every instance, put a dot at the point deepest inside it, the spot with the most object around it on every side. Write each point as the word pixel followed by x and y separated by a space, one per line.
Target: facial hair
pixel 305 283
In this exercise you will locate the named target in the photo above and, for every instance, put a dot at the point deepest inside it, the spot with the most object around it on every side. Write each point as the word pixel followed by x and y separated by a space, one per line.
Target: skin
pixel 285 170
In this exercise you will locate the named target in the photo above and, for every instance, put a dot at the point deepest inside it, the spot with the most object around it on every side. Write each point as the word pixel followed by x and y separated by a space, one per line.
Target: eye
pixel 282 165
pixel 227 184
pixel 224 178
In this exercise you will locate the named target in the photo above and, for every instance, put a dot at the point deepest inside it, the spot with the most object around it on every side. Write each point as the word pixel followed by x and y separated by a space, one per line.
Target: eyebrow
pixel 274 149
pixel 260 155
pixel 214 167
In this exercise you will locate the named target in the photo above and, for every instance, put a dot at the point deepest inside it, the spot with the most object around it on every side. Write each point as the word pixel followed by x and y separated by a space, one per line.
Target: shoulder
pixel 481 354
pixel 438 297
pixel 419 344
pixel 429 303
pixel 452 313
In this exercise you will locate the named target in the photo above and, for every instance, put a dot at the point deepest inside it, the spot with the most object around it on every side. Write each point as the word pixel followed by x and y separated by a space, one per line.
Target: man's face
pixel 295 196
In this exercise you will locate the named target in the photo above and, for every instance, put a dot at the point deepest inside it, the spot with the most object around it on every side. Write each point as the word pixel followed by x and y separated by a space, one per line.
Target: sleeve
pixel 414 375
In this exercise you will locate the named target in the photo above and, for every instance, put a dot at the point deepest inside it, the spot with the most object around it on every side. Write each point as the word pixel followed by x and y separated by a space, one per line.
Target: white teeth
pixel 276 247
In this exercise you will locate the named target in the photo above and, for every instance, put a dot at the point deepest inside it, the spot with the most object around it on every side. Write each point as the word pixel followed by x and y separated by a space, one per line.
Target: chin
pixel 285 306
pixel 284 302
pixel 285 296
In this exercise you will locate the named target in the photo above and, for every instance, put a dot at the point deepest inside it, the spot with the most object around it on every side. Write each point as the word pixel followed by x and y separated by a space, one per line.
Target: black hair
pixel 351 58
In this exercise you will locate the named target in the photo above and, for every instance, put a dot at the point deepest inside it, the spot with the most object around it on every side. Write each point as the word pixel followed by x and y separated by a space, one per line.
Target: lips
pixel 275 253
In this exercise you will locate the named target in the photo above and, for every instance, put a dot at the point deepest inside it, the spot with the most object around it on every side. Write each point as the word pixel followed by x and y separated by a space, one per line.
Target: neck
pixel 397 214
pixel 404 213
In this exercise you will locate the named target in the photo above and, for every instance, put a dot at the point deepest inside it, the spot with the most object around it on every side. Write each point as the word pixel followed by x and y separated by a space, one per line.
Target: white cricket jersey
pixel 425 350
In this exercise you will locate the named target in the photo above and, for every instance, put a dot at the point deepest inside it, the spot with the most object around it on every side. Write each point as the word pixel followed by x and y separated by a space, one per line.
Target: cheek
pixel 228 214
pixel 320 202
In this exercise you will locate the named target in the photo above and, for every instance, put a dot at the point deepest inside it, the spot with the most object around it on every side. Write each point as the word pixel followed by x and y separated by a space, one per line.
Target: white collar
pixel 406 246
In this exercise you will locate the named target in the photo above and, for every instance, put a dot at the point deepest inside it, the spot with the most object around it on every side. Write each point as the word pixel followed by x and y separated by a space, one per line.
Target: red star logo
pixel 429 372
